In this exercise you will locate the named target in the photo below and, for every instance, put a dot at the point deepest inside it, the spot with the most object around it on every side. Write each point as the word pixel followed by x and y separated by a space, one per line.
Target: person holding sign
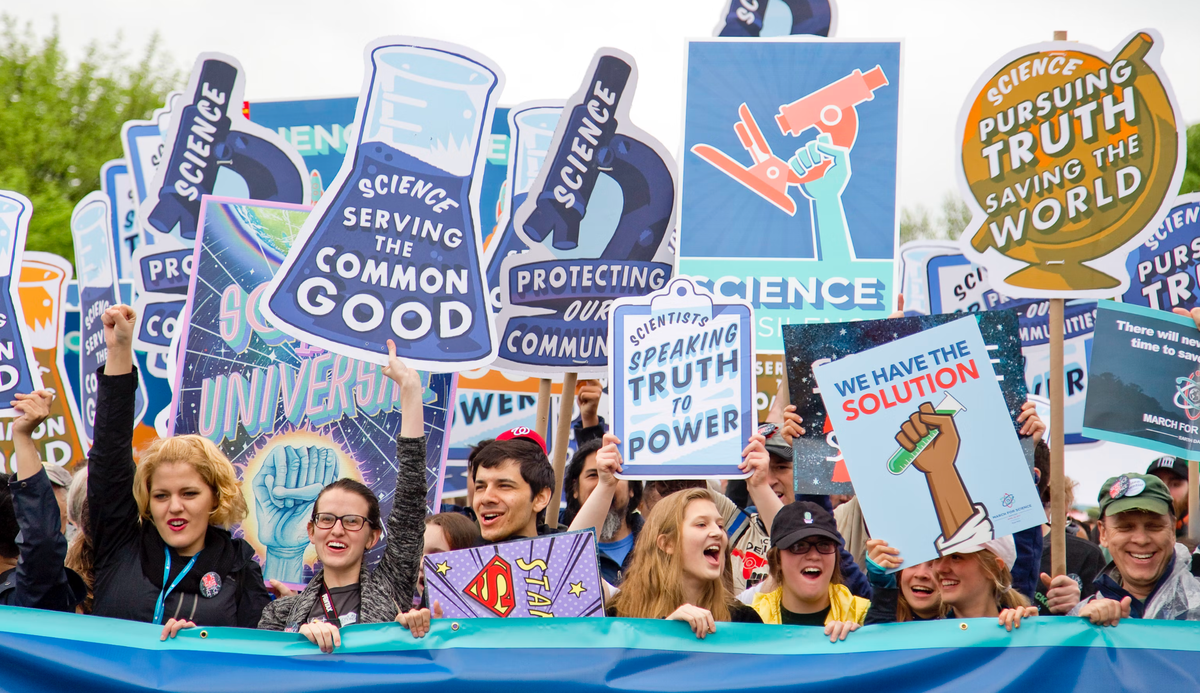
pixel 346 523
pixel 1150 574
pixel 681 566
pixel 803 561
pixel 914 594
pixel 161 548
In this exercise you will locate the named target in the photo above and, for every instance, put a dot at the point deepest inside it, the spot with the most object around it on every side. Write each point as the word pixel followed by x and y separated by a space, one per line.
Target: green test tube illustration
pixel 900 459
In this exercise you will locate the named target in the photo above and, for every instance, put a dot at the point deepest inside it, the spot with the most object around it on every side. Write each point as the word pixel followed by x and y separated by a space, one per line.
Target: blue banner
pixel 84 653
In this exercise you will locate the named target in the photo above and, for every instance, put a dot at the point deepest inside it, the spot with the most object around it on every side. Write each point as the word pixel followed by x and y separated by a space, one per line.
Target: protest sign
pixel 117 184
pixel 392 250
pixel 930 401
pixel 142 142
pixel 597 225
pixel 531 126
pixel 545 577
pixel 19 371
pixel 768 375
pixel 767 18
pixel 97 286
pixel 1070 155
pixel 42 285
pixel 262 396
pixel 820 466
pixel 822 252
pixel 1145 380
pixel 319 129
pixel 682 377
pixel 1164 267
pixel 210 148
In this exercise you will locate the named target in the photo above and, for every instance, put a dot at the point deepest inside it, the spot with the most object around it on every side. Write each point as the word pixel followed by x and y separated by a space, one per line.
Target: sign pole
pixel 543 408
pixel 566 407
pixel 1058 497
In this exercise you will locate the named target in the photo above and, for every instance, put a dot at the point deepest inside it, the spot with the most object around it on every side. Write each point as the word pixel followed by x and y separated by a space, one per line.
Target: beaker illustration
pixel 96 264
pixel 532 130
pixel 18 369
pixel 395 254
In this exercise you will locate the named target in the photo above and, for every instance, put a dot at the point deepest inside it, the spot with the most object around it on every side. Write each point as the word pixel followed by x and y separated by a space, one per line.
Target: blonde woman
pixel 680 569
pixel 162 552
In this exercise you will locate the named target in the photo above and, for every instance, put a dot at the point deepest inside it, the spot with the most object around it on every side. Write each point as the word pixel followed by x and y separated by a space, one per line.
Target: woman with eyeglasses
pixel 346 524
pixel 803 561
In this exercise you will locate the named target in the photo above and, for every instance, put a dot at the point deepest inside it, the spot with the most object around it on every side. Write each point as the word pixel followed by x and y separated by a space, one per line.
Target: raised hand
pixel 399 372
pixel 884 556
pixel 589 402
pixel 285 488
pixel 756 461
pixel 836 176
pixel 119 325
pixel 792 428
pixel 942 450
pixel 34 408
pixel 608 461
pixel 1031 423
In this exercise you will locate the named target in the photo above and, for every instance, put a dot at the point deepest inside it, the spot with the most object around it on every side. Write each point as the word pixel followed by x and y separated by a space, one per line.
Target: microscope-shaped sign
pixel 596 226
pixel 768 18
pixel 931 402
pixel 392 250
pixel 831 151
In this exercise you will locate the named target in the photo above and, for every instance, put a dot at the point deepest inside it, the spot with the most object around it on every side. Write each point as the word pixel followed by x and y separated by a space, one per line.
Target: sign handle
pixel 1058 498
pixel 543 408
pixel 566 407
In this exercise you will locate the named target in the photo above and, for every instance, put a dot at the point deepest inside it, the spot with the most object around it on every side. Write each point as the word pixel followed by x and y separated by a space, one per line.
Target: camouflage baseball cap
pixel 1134 492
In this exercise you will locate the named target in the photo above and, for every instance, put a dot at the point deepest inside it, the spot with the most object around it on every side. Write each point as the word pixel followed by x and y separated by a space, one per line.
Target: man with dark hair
pixel 1150 574
pixel 1173 471
pixel 513 482
pixel 617 535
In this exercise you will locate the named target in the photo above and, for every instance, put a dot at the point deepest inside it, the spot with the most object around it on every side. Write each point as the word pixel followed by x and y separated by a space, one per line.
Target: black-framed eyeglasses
pixel 802 547
pixel 350 523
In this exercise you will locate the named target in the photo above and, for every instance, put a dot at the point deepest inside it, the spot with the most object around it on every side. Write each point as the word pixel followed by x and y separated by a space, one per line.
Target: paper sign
pixel 1163 269
pixel 597 225
pixel 117 184
pixel 1145 380
pixel 210 148
pixel 266 399
pixel 682 377
pixel 819 462
pixel 765 18
pixel 552 576
pixel 392 250
pixel 789 178
pixel 319 129
pixel 18 368
pixel 768 374
pixel 917 420
pixel 97 265
pixel 1070 159
pixel 43 279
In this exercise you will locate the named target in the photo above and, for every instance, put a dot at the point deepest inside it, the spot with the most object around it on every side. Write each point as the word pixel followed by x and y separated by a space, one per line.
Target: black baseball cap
pixel 1176 465
pixel 801 520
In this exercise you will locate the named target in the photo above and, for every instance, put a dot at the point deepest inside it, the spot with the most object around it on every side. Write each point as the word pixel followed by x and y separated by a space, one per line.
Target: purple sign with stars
pixel 554 575
pixel 291 417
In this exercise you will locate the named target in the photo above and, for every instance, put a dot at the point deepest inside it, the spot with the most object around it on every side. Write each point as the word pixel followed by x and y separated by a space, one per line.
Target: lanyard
pixel 166 591
pixel 331 614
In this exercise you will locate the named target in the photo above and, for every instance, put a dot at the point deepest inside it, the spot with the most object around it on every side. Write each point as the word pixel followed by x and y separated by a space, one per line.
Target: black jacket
pixel 122 588
pixel 40 581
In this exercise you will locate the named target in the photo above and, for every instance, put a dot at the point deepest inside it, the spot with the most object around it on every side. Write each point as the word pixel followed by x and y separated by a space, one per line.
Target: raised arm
pixel 395 578
pixel 593 511
pixel 112 508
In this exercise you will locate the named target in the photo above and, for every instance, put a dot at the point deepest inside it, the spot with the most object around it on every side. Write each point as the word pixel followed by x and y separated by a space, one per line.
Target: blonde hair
pixel 1005 595
pixel 208 461
pixel 653 588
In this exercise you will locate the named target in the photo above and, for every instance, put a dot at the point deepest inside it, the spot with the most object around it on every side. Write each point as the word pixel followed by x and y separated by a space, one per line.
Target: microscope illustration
pixel 820 169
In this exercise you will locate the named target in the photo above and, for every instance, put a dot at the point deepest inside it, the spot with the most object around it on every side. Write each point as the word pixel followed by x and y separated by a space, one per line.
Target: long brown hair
pixel 653 587
pixel 1002 590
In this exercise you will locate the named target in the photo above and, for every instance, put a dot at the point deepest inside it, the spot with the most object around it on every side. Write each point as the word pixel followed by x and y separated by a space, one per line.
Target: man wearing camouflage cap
pixel 1149 575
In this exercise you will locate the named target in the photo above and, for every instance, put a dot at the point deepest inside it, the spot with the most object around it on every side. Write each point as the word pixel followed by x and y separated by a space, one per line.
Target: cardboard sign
pixel 1164 267
pixel 266 399
pixel 818 456
pixel 921 421
pixel 1070 155
pixel 551 576
pixel 806 159
pixel 1145 380
pixel 19 371
pixel 597 223
pixel 531 126
pixel 43 284
pixel 682 377
pixel 117 183
pixel 210 148
pixel 392 250
pixel 142 142
pixel 768 374
pixel 97 285
pixel 766 18
pixel 319 129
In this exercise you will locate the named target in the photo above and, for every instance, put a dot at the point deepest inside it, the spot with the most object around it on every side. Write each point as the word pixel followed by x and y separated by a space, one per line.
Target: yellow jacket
pixel 843 606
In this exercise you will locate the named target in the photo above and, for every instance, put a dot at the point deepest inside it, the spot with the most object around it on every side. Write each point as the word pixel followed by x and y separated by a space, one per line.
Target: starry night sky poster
pixel 270 402
pixel 819 468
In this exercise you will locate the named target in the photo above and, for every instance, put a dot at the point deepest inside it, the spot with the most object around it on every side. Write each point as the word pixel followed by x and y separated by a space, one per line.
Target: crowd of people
pixel 151 541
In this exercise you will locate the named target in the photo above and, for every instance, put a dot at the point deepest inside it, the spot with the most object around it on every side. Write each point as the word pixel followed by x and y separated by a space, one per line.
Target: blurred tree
pixel 60 122
pixel 1191 175
pixel 917 223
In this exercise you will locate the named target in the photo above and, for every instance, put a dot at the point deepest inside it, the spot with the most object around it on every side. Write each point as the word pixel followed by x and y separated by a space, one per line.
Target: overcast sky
pixel 299 48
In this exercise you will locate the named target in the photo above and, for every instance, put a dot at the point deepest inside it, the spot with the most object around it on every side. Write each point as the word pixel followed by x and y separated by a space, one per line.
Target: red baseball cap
pixel 524 432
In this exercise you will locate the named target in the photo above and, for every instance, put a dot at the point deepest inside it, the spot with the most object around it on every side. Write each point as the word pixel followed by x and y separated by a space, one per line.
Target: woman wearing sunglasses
pixel 346 524
pixel 803 561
